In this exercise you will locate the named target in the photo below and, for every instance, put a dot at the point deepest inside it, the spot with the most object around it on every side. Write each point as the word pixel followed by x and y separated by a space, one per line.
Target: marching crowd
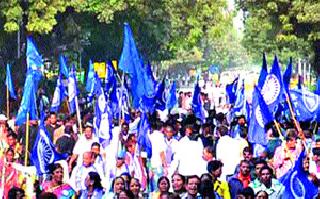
pixel 189 159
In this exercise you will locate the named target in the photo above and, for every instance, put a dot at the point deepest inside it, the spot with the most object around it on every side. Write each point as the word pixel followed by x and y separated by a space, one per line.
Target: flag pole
pixel 27 141
pixel 8 103
pixel 78 115
pixel 296 123
pixel 278 129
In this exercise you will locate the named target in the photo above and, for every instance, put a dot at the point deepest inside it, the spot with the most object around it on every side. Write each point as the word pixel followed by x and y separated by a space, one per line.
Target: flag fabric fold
pixel 231 90
pixel 172 97
pixel 287 76
pixel 305 104
pixel 260 116
pixel 272 89
pixel 9 83
pixel 197 104
pixel 296 183
pixel 131 64
pixel 72 90
pixel 263 72
pixel 63 66
pixel 239 107
pixel 143 140
pixel 58 95
pixel 44 153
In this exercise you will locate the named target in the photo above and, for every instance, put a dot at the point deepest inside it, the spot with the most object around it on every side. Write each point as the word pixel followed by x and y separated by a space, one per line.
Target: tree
pixel 286 27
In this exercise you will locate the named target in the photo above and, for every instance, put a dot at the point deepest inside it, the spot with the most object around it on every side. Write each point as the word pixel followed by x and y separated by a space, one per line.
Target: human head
pixel 245 167
pixel 206 184
pixel 189 130
pixel 16 193
pixel 178 182
pixel 168 131
pixel 223 130
pixel 117 185
pixel 291 138
pixel 126 194
pixel 93 180
pixel 57 173
pixel 9 155
pixel 88 131
pixel 53 118
pixel 208 153
pixel 214 168
pixel 125 128
pixel 192 185
pixel 163 184
pixel 247 153
pixel 246 193
pixel 127 178
pixel 12 138
pixel 206 129
pixel 135 186
pixel 265 175
pixel 260 163
pixel 87 159
pixel 95 149
pixel 262 195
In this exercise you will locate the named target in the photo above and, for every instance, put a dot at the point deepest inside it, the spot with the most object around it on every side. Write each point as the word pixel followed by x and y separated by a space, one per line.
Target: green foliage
pixel 288 28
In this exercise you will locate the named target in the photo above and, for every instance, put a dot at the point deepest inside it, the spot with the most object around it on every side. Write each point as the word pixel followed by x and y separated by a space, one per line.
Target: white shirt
pixel 158 146
pixel 83 145
pixel 78 176
pixel 227 152
pixel 188 158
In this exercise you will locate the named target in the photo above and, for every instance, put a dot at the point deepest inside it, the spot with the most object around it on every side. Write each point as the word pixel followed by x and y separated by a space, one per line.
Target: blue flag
pixel 63 70
pixel 131 64
pixel 9 83
pixel 231 90
pixel 72 89
pixel 260 116
pixel 197 104
pixel 239 105
pixel 248 112
pixel 305 104
pixel 111 88
pixel 272 89
pixel 44 153
pixel 263 72
pixel 58 95
pixel 28 102
pixel 90 80
pixel 287 76
pixel 34 62
pixel 299 86
pixel 143 138
pixel 296 183
pixel 123 96
pixel 172 98
pixel 103 115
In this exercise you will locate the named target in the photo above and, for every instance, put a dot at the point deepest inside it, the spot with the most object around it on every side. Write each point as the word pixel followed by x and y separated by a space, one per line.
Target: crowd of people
pixel 190 159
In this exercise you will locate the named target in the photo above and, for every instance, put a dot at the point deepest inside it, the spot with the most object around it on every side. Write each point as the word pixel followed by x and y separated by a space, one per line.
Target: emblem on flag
pixel 271 89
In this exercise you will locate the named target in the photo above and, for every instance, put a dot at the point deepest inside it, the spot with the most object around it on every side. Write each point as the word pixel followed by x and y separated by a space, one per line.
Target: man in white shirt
pixel 188 158
pixel 80 172
pixel 227 151
pixel 158 160
pixel 83 145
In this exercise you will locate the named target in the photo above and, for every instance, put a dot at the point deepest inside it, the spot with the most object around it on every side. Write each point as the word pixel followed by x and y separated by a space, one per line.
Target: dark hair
pixel 191 177
pixel 95 144
pixel 209 149
pixel 114 181
pixel 261 192
pixel 163 178
pixel 9 150
pixel 206 186
pixel 260 161
pixel 291 134
pixel 246 192
pixel 128 193
pixel 48 195
pixel 183 178
pixel 54 167
pixel 13 192
pixel 12 134
pixel 96 180
pixel 68 130
pixel 268 168
pixel 244 161
pixel 214 165
pixel 248 149
pixel 223 130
